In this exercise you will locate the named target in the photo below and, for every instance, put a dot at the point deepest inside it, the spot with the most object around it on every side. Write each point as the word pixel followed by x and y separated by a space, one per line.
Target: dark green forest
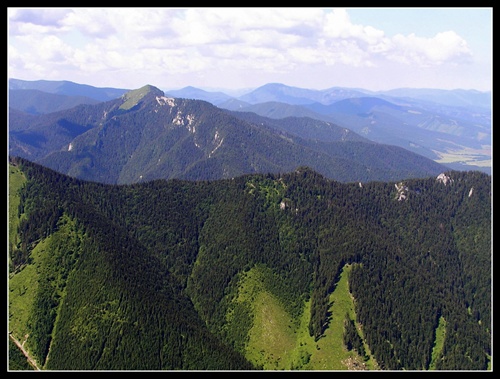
pixel 142 276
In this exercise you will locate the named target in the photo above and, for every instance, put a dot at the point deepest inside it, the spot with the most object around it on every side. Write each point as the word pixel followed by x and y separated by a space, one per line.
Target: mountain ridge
pixel 145 135
pixel 66 87
pixel 158 275
pixel 452 127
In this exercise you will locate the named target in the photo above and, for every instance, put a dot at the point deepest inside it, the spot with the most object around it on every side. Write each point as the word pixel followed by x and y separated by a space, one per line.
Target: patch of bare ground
pixel 354 364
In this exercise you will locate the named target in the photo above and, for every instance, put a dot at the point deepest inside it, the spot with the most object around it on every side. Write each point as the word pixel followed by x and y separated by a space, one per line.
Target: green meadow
pixel 278 342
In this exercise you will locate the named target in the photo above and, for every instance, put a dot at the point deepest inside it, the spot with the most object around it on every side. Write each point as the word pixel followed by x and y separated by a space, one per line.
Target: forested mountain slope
pixel 183 275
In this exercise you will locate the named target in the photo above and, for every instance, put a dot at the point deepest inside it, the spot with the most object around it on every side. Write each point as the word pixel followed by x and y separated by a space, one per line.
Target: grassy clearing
pixel 23 285
pixel 277 342
pixel 331 353
pixel 133 97
pixel 271 337
pixel 438 343
pixel 22 290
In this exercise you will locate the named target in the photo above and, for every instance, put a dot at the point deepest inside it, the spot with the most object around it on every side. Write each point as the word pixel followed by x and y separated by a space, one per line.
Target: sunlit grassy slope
pixel 277 342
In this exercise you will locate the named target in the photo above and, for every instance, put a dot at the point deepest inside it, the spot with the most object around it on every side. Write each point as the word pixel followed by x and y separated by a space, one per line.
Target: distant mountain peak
pixel 275 85
pixel 132 98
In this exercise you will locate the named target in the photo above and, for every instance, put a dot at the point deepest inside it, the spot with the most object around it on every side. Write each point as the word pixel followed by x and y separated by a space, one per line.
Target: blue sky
pixel 235 48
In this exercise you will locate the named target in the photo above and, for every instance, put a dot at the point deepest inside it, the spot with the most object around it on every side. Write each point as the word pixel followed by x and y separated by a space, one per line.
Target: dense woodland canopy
pixel 142 276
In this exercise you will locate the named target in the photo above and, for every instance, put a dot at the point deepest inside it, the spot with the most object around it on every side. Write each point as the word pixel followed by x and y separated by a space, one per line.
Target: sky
pixel 244 48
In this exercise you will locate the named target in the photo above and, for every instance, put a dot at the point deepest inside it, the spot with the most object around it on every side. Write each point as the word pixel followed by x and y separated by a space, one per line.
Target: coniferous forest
pixel 154 275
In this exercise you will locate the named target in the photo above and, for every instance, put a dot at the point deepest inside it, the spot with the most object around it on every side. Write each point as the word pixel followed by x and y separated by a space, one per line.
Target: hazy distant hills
pixel 414 128
pixel 275 109
pixel 145 135
pixel 452 127
pixel 215 98
pixel 46 96
pixel 272 92
pixel 293 95
pixel 38 102
pixel 304 127
pixel 68 88
pixel 449 126
pixel 456 97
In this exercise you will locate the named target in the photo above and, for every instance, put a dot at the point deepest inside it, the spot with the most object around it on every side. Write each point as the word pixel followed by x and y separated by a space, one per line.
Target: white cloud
pixel 445 46
pixel 197 39
pixel 337 24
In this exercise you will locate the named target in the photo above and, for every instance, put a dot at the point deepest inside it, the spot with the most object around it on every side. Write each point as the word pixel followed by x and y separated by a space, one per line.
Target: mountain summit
pixel 134 97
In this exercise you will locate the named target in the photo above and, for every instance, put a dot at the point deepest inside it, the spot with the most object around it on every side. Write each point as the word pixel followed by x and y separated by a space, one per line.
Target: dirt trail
pixel 31 361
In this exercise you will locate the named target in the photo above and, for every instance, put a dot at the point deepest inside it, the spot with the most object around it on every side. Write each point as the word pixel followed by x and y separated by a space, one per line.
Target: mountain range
pixel 151 230
pixel 145 135
pixel 452 127
pixel 67 88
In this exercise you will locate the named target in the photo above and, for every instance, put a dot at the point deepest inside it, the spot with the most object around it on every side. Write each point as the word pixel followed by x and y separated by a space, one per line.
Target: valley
pixel 467 156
